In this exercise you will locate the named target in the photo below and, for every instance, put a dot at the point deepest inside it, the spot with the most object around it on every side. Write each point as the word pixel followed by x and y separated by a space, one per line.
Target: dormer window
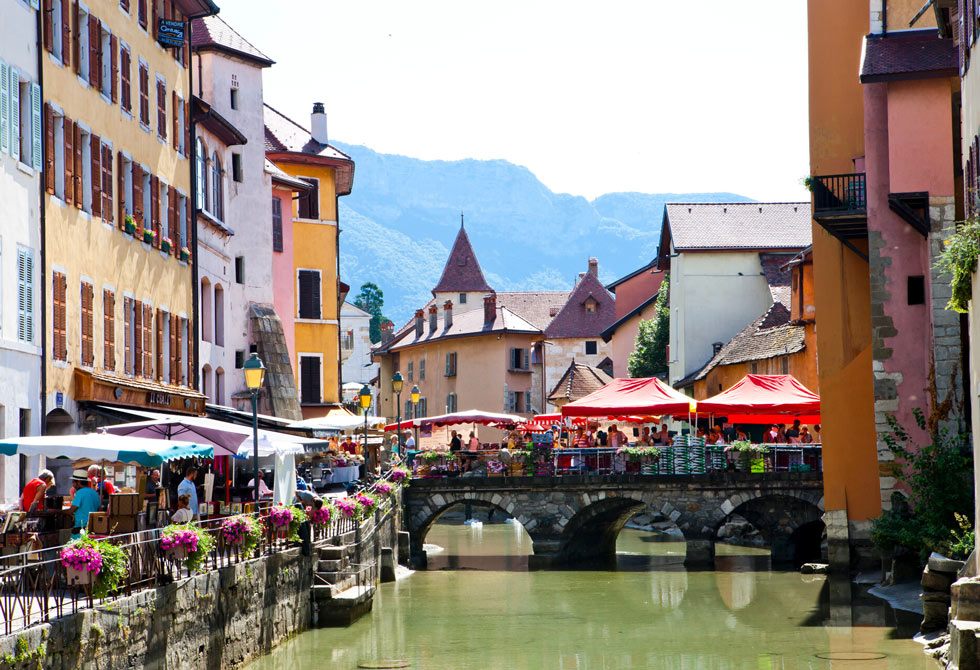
pixel 591 305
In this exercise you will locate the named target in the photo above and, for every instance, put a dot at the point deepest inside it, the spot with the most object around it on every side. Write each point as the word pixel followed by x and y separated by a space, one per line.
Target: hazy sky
pixel 593 97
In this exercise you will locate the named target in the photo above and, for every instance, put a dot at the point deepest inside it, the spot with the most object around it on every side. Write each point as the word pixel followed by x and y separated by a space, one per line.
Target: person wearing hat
pixel 85 502
pixel 33 496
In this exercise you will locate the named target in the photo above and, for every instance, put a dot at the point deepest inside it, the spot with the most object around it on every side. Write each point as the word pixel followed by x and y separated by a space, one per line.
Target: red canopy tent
pixel 764 399
pixel 622 397
pixel 456 418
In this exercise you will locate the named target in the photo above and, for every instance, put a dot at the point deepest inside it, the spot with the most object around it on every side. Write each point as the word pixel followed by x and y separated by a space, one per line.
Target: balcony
pixel 840 204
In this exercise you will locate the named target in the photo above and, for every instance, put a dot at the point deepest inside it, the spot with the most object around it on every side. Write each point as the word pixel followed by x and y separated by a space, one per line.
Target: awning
pixel 456 418
pixel 765 396
pixel 104 446
pixel 631 397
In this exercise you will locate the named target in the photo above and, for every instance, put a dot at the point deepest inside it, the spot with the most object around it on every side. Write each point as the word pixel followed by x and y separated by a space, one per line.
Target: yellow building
pixel 317 287
pixel 119 291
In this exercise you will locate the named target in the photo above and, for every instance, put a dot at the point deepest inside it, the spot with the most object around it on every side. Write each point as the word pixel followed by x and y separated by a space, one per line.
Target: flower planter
pixel 130 229
pixel 78 577
pixel 148 236
pixel 185 255
pixel 177 553
pixel 165 246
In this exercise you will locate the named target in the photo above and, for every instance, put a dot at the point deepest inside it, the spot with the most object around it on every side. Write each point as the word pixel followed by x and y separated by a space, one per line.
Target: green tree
pixel 649 355
pixel 372 299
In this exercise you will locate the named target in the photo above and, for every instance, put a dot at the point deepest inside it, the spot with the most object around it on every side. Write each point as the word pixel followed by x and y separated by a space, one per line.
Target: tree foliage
pixel 372 299
pixel 649 355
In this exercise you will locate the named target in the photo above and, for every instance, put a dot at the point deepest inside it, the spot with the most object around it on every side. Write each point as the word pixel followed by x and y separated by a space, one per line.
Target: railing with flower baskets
pixel 34 588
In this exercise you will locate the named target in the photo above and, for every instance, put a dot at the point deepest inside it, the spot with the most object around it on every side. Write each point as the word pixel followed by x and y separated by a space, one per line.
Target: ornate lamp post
pixel 415 408
pixel 396 385
pixel 254 376
pixel 365 397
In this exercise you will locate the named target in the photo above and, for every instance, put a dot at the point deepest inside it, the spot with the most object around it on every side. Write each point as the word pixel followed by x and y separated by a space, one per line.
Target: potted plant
pixel 366 502
pixel 400 476
pixel 98 563
pixel 299 517
pixel 383 489
pixel 185 254
pixel 166 245
pixel 149 235
pixel 242 531
pixel 130 225
pixel 346 508
pixel 188 543
pixel 279 518
pixel 320 516
pixel 751 456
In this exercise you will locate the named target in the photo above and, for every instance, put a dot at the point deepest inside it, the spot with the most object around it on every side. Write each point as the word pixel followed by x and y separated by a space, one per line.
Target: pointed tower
pixel 462 280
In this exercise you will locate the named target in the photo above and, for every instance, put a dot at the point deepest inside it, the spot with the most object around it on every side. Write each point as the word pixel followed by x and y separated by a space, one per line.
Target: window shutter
pixel 47 20
pixel 176 120
pixel 69 153
pixel 86 324
pixel 960 37
pixel 156 20
pixel 14 113
pixel 178 351
pixel 96 152
pixel 107 207
pixel 187 127
pixel 141 12
pixel 25 296
pixel 310 382
pixel 109 329
pixel 125 5
pixel 315 294
pixel 49 175
pixel 527 355
pixel 94 42
pixel 192 379
pixel 173 350
pixel 125 75
pixel 76 37
pixel 58 336
pixel 37 143
pixel 161 109
pixel 138 338
pixel 447 364
pixel 155 209
pixel 159 332
pixel 121 190
pixel 79 170
pixel 4 107
pixel 114 60
pixel 128 335
pixel 172 219
pixel 147 341
pixel 276 224
pixel 65 32
pixel 138 197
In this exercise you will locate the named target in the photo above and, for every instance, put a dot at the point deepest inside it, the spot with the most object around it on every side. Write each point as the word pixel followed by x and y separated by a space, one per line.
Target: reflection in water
pixel 478 607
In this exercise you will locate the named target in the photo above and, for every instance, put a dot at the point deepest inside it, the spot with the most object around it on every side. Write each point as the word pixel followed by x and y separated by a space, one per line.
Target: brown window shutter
pixel 47 19
pixel 59 285
pixel 187 128
pixel 191 366
pixel 87 358
pixel 155 209
pixel 141 12
pixel 186 57
pixel 96 152
pixel 65 28
pixel 127 334
pixel 109 329
pixel 156 19
pixel 76 38
pixel 159 332
pixel 172 363
pixel 78 171
pixel 145 95
pixel 138 197
pixel 147 341
pixel 176 119
pixel 121 190
pixel 126 91
pixel 172 219
pixel 107 208
pixel 49 175
pixel 162 109
pixel 114 54
pixel 94 40
pixel 138 338
pixel 125 5
pixel 69 133
pixel 179 356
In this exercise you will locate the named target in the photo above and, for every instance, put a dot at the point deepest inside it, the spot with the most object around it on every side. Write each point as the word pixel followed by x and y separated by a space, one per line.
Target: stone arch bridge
pixel 574 518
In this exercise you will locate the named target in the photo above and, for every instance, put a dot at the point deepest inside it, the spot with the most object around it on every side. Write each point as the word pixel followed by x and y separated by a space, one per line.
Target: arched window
pixel 206 309
pixel 219 315
pixel 217 201
pixel 202 175
pixel 219 386
pixel 206 386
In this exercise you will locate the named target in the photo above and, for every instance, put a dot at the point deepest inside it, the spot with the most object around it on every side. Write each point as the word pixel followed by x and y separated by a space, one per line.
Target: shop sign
pixel 170 33
pixel 157 398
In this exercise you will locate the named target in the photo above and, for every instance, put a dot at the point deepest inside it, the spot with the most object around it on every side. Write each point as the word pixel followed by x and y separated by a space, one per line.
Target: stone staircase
pixel 343 590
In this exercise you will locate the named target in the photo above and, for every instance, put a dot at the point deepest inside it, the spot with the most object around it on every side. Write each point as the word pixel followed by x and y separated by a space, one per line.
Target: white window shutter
pixel 4 107
pixel 14 114
pixel 36 145
pixel 25 296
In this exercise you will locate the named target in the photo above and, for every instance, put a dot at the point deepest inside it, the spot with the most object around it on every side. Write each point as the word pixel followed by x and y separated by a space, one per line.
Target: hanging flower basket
pixel 99 564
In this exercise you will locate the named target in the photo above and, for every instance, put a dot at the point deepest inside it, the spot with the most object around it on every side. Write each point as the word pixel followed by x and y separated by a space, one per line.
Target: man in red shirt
pixel 348 445
pixel 33 495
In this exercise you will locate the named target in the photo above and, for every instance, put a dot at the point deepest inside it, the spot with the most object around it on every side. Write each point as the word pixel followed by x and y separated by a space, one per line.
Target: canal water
pixel 478 607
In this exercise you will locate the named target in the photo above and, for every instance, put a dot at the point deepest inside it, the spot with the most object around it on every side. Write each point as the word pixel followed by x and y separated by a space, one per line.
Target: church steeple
pixel 462 273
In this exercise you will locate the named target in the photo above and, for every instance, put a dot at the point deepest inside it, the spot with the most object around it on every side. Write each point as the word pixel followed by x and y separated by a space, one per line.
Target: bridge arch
pixel 790 521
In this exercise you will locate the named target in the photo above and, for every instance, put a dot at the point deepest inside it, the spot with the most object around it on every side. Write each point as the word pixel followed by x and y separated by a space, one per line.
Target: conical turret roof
pixel 462 273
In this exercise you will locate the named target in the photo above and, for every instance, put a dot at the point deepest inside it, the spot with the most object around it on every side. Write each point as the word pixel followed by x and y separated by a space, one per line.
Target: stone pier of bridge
pixel 577 518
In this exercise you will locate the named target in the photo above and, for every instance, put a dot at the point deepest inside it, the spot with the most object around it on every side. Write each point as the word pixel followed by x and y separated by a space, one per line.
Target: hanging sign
pixel 170 33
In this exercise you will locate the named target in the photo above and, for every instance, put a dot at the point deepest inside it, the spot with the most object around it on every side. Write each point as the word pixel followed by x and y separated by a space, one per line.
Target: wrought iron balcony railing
pixel 839 195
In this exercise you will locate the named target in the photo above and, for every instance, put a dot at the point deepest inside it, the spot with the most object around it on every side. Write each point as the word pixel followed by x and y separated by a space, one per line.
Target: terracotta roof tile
pixel 741 225
pixel 467 324
pixel 574 321
pixel 462 272
pixel 907 55
pixel 537 307
pixel 578 381
pixel 211 32
pixel 768 336
pixel 284 134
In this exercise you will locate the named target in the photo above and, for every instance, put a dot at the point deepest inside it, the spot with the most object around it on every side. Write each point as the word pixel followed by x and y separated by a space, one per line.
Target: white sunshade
pixel 104 446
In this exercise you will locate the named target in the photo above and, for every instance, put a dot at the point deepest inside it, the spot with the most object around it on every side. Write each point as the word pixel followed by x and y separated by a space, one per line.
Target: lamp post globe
pixel 415 406
pixel 396 385
pixel 254 372
pixel 365 397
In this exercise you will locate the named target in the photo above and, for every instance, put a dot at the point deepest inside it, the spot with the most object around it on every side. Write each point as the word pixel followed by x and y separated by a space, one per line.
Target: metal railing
pixel 34 588
pixel 839 194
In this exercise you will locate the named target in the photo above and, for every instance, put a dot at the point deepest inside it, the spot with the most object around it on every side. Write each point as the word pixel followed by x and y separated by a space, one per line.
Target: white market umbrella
pixel 107 447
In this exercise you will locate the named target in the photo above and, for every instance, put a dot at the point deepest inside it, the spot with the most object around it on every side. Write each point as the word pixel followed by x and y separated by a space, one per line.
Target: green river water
pixel 478 607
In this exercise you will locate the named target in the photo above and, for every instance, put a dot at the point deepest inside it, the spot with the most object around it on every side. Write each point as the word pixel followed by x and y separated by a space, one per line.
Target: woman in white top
pixel 183 513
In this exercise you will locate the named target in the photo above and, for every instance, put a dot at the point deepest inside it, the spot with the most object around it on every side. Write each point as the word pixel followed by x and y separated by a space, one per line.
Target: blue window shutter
pixel 14 114
pixel 36 144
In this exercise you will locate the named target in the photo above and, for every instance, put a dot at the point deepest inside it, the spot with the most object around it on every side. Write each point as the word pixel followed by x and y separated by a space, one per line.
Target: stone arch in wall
pixel 424 513
pixel 790 521
pixel 592 522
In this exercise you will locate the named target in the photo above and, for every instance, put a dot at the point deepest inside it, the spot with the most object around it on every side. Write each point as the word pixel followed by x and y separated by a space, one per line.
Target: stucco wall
pixel 358 366
pixel 560 354
pixel 637 290
pixel 283 275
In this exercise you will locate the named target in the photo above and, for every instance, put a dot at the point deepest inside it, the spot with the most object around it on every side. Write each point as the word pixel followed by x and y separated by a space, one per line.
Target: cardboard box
pixel 163 498
pixel 98 523
pixel 124 504
pixel 120 525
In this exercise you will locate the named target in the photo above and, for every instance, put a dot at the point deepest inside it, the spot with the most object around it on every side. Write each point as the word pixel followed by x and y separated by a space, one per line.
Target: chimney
pixel 489 309
pixel 716 347
pixel 448 309
pixel 419 315
pixel 594 267
pixel 433 319
pixel 318 123
pixel 386 332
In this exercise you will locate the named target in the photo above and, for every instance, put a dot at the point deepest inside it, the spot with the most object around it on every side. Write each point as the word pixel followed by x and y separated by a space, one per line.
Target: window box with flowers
pixel 166 245
pixel 149 235
pixel 185 254
pixel 129 226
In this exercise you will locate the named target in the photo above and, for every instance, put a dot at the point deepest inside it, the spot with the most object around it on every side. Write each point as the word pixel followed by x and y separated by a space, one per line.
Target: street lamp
pixel 254 376
pixel 415 407
pixel 365 396
pixel 396 385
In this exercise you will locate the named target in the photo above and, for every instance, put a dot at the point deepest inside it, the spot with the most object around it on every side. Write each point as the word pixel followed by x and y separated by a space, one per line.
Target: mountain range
pixel 401 219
